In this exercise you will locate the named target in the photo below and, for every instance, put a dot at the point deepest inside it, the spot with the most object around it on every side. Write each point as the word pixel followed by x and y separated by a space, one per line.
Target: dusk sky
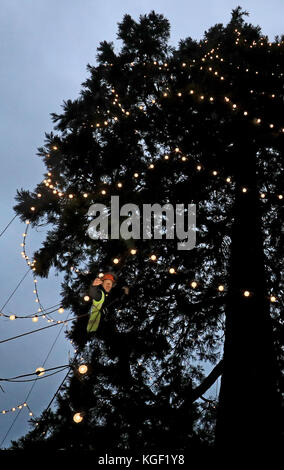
pixel 45 48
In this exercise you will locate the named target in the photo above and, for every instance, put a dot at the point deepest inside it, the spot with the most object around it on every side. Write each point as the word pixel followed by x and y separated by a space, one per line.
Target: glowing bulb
pixel 153 257
pixel 70 196
pixel 83 369
pixel 116 260
pixel 86 298
pixel 103 191
pixel 199 167
pixel 12 317
pixel 228 179
pixel 215 173
pixel 273 298
pixel 35 319
pixel 136 175
pixel 221 288
pixel 85 195
pixel 172 270
pixel 60 310
pixel 32 208
pixel 133 251
pixel 193 284
pixel 166 157
pixel 246 293
pixel 40 371
pixel 262 195
pixel 119 185
pixel 77 418
pixel 244 190
pixel 280 196
pixel 151 166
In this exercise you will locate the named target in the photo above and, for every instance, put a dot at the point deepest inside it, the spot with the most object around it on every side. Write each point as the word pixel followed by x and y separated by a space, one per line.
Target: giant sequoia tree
pixel 200 124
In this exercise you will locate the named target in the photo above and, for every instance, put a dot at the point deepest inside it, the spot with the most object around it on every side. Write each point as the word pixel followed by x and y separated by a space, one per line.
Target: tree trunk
pixel 247 418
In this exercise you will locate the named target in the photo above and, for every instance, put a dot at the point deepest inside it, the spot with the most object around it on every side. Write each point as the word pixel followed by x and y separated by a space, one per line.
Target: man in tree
pixel 99 292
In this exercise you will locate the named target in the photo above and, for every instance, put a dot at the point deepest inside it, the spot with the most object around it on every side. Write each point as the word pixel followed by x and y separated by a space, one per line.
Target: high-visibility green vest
pixel 95 314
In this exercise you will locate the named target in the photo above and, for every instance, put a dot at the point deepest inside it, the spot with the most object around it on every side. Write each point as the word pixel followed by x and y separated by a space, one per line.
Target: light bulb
pixel 77 418
pixel 246 293
pixel 172 270
pixel 133 251
pixel 60 310
pixel 83 369
pixel 193 284
pixel 12 317
pixel 116 260
pixel 40 371
pixel 86 298
pixel 221 288
pixel 273 298
pixel 35 319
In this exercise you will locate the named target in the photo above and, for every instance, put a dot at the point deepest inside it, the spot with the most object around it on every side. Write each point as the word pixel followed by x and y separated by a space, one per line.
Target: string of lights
pixel 151 166
pixel 40 372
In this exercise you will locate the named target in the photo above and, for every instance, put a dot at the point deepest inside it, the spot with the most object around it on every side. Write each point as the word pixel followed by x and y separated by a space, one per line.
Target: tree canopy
pixel 197 124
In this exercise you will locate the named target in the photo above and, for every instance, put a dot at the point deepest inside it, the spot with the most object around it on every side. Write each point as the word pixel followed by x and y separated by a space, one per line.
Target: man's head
pixel 108 281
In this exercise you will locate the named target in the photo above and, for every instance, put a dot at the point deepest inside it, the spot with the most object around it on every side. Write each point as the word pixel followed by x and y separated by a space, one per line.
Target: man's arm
pixel 95 291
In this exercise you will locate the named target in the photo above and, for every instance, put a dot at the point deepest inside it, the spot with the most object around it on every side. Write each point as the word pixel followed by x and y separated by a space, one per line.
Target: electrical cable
pixel 4 230
pixel 52 309
pixel 32 373
pixel 37 378
pixel 15 289
pixel 59 322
